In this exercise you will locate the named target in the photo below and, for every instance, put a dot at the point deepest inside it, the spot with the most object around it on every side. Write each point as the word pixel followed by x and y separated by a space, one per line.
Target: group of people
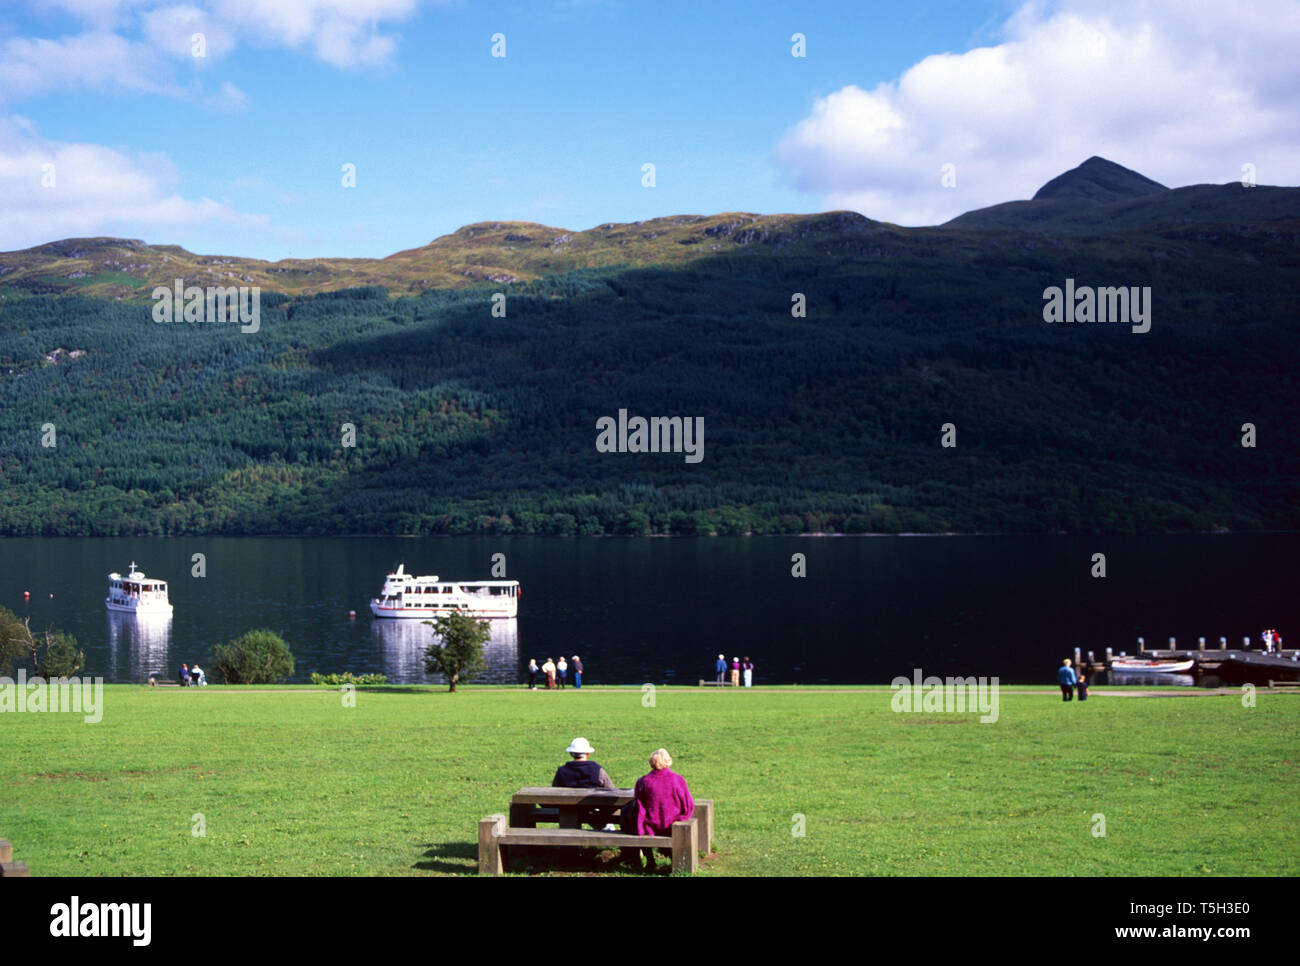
pixel 554 672
pixel 660 798
pixel 1071 680
pixel 192 677
pixel 738 668
pixel 1272 640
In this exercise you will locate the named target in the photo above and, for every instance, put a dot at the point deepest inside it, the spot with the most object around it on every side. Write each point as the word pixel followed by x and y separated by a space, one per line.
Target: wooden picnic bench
pixel 8 867
pixel 570 808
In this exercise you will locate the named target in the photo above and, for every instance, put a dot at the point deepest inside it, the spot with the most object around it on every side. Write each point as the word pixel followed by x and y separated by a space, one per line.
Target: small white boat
pixel 407 596
pixel 1151 667
pixel 137 594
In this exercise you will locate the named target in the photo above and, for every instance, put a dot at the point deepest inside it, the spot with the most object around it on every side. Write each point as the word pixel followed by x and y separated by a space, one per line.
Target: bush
pixel 258 657
pixel 347 677
pixel 59 656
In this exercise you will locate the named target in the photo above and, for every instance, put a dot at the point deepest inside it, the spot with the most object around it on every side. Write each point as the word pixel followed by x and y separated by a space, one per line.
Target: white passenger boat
pixel 407 596
pixel 1158 667
pixel 137 594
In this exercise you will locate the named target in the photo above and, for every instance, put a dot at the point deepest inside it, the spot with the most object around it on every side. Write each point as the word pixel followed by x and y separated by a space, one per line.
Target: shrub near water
pixel 347 677
pixel 258 657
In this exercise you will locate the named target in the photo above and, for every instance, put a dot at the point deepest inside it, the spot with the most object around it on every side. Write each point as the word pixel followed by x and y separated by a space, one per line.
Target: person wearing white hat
pixel 581 772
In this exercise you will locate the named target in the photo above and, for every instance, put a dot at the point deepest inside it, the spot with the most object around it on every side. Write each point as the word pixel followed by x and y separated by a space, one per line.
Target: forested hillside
pixel 469 423
pixel 466 422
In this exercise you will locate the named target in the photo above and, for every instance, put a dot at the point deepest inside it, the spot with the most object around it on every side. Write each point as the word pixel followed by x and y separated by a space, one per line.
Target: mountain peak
pixel 1099 180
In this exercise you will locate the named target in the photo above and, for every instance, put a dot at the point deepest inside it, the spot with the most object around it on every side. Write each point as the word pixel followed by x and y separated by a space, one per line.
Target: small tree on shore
pixel 460 655
pixel 57 656
pixel 14 638
pixel 258 657
pixel 53 654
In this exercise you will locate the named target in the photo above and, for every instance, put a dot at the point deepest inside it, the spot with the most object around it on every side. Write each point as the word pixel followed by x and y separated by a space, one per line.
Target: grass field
pixel 290 782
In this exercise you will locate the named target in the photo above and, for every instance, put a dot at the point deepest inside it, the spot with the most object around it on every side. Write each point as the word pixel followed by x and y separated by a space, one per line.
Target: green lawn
pixel 290 782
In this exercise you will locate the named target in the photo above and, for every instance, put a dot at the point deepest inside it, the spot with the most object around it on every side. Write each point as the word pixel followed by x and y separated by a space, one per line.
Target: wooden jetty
pixel 1236 664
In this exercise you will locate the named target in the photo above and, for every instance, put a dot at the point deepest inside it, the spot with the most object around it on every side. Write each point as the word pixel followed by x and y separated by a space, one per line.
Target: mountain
pixel 489 252
pixel 1101 196
pixel 1101 181
pixel 466 422
pixel 1097 196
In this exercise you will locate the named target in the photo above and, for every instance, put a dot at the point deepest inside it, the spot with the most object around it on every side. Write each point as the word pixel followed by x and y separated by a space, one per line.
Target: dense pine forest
pixel 469 423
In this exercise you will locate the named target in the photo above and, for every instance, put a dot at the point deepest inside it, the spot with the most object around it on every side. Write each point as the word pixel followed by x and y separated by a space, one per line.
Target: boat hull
pixel 147 609
pixel 1152 667
pixel 428 613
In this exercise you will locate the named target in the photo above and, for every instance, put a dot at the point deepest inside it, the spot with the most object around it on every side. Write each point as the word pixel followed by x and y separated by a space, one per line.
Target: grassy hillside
pixel 293 783
pixel 490 252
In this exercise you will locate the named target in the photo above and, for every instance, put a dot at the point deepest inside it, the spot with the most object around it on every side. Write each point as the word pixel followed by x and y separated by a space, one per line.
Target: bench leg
pixel 686 844
pixel 490 830
pixel 704 812
pixel 523 816
pixel 6 851
pixel 14 869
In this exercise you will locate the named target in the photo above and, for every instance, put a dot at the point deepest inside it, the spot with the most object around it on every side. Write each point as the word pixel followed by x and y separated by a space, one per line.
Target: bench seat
pixel 493 833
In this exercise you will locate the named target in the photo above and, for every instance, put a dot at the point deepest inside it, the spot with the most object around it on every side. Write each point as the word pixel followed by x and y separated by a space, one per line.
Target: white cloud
pixel 228 99
pixel 96 191
pixel 120 46
pixel 171 30
pixel 90 61
pixel 344 33
pixel 1182 93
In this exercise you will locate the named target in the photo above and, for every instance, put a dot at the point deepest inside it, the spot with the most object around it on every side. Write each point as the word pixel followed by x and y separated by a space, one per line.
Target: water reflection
pixel 1149 678
pixel 137 645
pixel 401 645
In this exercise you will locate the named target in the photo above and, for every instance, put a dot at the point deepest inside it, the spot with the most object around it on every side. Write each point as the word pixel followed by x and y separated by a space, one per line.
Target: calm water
pixel 662 609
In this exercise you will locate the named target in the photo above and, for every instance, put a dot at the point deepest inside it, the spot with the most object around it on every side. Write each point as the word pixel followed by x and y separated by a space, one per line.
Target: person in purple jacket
pixel 662 798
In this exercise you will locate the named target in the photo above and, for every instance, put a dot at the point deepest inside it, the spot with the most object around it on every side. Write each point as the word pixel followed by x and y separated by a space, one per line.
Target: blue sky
pixel 240 151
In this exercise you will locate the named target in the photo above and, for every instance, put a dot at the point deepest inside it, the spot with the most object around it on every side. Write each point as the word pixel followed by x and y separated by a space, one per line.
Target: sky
pixel 116 119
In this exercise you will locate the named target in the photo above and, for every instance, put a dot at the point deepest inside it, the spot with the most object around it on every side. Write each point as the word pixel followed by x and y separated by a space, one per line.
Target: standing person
pixel 1065 677
pixel 748 668
pixel 721 668
pixel 184 674
pixel 577 672
pixel 735 672
pixel 563 669
pixel 549 670
pixel 662 798
pixel 533 671
pixel 1081 682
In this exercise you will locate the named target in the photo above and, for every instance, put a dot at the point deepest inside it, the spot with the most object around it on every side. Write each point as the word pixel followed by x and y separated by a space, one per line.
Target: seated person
pixel 662 798
pixel 582 772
